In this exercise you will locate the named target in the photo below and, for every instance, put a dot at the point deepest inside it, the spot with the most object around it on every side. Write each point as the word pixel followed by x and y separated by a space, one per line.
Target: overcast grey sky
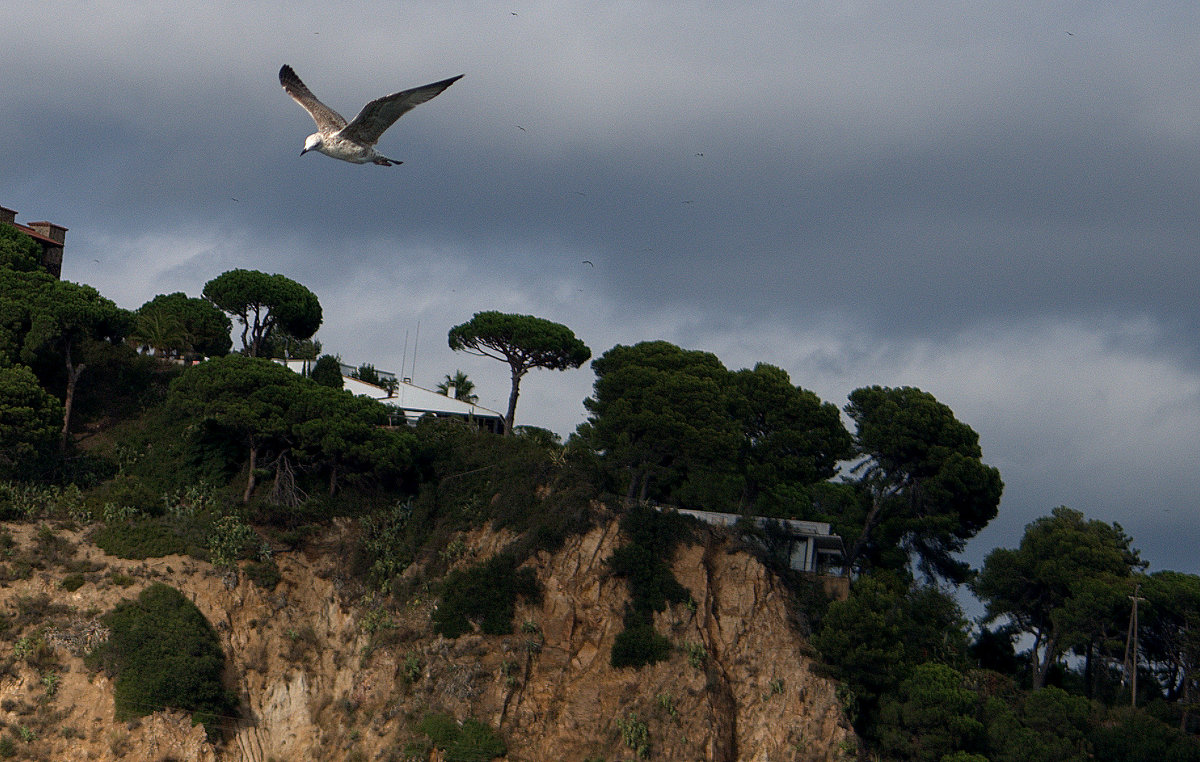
pixel 995 202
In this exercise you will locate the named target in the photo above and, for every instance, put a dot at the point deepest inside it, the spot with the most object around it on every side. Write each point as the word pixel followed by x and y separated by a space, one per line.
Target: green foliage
pixel 879 634
pixel 484 594
pixel 635 733
pixel 472 741
pixel 369 375
pixel 18 251
pixel 31 501
pixel 243 399
pixel 386 548
pixel 675 425
pixel 1064 582
pixel 266 410
pixel 265 574
pixel 72 582
pixel 328 372
pixel 644 562
pixel 183 326
pixel 661 415
pixel 264 304
pixel 697 654
pixel 929 491
pixel 789 438
pixel 339 433
pixel 164 654
pixel 30 420
pixel 470 478
pixel 58 329
pixel 522 341
pixel 129 494
pixel 1128 735
pixel 931 716
pixel 230 540
pixel 442 729
pixel 464 388
pixel 147 538
pixel 1170 630
pixel 638 645
pixel 1050 726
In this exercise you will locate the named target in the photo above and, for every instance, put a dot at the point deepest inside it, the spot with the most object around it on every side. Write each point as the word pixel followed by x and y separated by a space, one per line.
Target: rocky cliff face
pixel 326 674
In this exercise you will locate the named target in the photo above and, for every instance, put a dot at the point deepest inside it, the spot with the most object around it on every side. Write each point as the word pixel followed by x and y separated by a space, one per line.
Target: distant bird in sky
pixel 354 142
pixel 587 262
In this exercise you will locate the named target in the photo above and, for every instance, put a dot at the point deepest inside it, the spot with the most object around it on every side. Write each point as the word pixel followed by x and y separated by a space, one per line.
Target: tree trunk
pixel 73 372
pixel 1185 701
pixel 251 480
pixel 1042 666
pixel 872 517
pixel 510 416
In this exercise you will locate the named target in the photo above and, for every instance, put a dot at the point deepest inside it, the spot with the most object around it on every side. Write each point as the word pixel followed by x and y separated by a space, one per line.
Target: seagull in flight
pixel 354 142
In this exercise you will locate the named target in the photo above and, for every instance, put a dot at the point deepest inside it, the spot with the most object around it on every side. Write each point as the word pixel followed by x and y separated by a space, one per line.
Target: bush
pixel 163 654
pixel 148 538
pixel 644 563
pixel 1131 735
pixel 638 646
pixel 28 501
pixel 485 594
pixel 327 372
pixel 128 493
pixel 473 741
pixel 265 574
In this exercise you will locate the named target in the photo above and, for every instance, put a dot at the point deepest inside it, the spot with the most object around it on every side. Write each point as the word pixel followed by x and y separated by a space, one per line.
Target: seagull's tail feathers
pixel 384 161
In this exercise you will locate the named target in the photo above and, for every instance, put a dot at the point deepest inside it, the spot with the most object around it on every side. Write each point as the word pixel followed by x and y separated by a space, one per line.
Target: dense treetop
pixel 524 342
pixel 264 304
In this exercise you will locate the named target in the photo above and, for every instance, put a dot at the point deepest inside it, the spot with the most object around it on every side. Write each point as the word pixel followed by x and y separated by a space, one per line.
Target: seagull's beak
pixel 303 151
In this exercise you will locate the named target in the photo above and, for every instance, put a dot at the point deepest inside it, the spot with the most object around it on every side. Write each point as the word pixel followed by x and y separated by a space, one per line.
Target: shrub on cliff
pixel 644 562
pixel 472 741
pixel 164 654
pixel 484 594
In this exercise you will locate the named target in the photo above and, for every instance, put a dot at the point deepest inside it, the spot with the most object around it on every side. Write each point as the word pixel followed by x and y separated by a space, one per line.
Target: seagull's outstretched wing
pixel 382 113
pixel 328 121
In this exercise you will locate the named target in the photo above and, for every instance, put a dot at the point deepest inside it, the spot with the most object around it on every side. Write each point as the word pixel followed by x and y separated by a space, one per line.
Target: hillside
pixel 324 672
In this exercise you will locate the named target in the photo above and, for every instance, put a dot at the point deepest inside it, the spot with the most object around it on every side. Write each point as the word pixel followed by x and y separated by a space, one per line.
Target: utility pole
pixel 1131 639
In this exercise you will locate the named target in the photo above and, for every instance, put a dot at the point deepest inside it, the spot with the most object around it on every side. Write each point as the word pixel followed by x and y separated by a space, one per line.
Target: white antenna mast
pixel 404 356
pixel 416 341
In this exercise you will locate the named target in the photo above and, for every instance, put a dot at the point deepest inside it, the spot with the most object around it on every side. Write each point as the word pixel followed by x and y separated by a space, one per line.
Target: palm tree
pixel 160 333
pixel 463 387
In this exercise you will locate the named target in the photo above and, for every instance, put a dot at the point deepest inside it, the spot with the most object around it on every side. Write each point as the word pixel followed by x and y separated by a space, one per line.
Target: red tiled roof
pixel 34 234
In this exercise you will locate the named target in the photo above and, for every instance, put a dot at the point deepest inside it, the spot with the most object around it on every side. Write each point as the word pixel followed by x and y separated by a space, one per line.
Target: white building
pixel 410 402
pixel 812 548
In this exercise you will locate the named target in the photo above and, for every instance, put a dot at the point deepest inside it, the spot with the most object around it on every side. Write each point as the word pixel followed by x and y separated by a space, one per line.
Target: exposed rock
pixel 324 676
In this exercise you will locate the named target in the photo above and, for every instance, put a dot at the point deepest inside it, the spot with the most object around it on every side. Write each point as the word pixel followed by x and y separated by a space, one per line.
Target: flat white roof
pixel 412 399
